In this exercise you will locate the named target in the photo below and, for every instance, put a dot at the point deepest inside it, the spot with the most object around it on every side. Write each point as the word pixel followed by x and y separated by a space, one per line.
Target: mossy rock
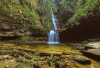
pixel 4 52
pixel 19 59
pixel 55 59
pixel 60 64
pixel 9 58
pixel 28 56
pixel 82 59
pixel 50 62
pixel 62 57
pixel 41 59
pixel 36 54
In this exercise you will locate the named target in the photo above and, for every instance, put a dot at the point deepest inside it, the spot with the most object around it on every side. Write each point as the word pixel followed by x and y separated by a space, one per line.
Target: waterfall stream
pixel 53 34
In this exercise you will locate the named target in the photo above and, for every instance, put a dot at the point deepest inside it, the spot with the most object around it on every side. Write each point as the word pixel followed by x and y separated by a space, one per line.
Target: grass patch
pixel 30 38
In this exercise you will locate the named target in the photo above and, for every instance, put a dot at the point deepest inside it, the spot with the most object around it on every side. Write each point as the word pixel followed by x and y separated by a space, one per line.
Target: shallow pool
pixel 52 48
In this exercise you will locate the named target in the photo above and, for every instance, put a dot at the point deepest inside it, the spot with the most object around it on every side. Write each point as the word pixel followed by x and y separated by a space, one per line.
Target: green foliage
pixel 83 11
pixel 50 62
pixel 27 56
pixel 0 34
pixel 3 52
pixel 9 34
pixel 36 54
pixel 23 60
pixel 18 66
pixel 32 10
pixel 10 58
pixel 45 10
pixel 41 38
pixel 17 33
pixel 25 38
pixel 31 65
pixel 5 9
pixel 18 60
pixel 5 46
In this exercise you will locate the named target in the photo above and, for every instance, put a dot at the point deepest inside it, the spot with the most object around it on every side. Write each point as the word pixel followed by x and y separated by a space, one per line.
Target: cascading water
pixel 53 34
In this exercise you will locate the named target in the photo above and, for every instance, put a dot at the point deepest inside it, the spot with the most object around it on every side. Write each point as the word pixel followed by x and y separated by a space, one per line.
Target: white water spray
pixel 53 34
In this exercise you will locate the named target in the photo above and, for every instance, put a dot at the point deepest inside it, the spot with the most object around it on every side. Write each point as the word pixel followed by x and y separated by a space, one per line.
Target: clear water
pixel 51 48
pixel 53 35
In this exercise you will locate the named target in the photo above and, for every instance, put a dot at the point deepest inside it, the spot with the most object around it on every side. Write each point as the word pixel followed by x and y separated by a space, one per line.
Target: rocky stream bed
pixel 12 56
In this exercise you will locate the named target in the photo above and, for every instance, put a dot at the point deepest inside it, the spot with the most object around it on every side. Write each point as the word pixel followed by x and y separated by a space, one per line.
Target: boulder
pixel 92 53
pixel 82 59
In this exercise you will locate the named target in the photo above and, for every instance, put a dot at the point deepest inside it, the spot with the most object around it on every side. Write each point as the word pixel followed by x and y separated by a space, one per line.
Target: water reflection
pixel 52 48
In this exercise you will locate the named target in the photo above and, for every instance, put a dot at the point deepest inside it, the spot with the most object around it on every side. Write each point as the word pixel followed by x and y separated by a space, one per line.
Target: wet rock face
pixel 82 59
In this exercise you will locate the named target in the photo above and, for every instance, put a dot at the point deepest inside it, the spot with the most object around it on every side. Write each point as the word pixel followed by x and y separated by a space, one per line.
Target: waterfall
pixel 53 34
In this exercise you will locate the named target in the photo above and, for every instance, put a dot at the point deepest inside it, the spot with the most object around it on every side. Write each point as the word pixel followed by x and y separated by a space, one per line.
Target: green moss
pixel 25 38
pixel 80 58
pixel 18 66
pixel 83 12
pixel 4 52
pixel 5 10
